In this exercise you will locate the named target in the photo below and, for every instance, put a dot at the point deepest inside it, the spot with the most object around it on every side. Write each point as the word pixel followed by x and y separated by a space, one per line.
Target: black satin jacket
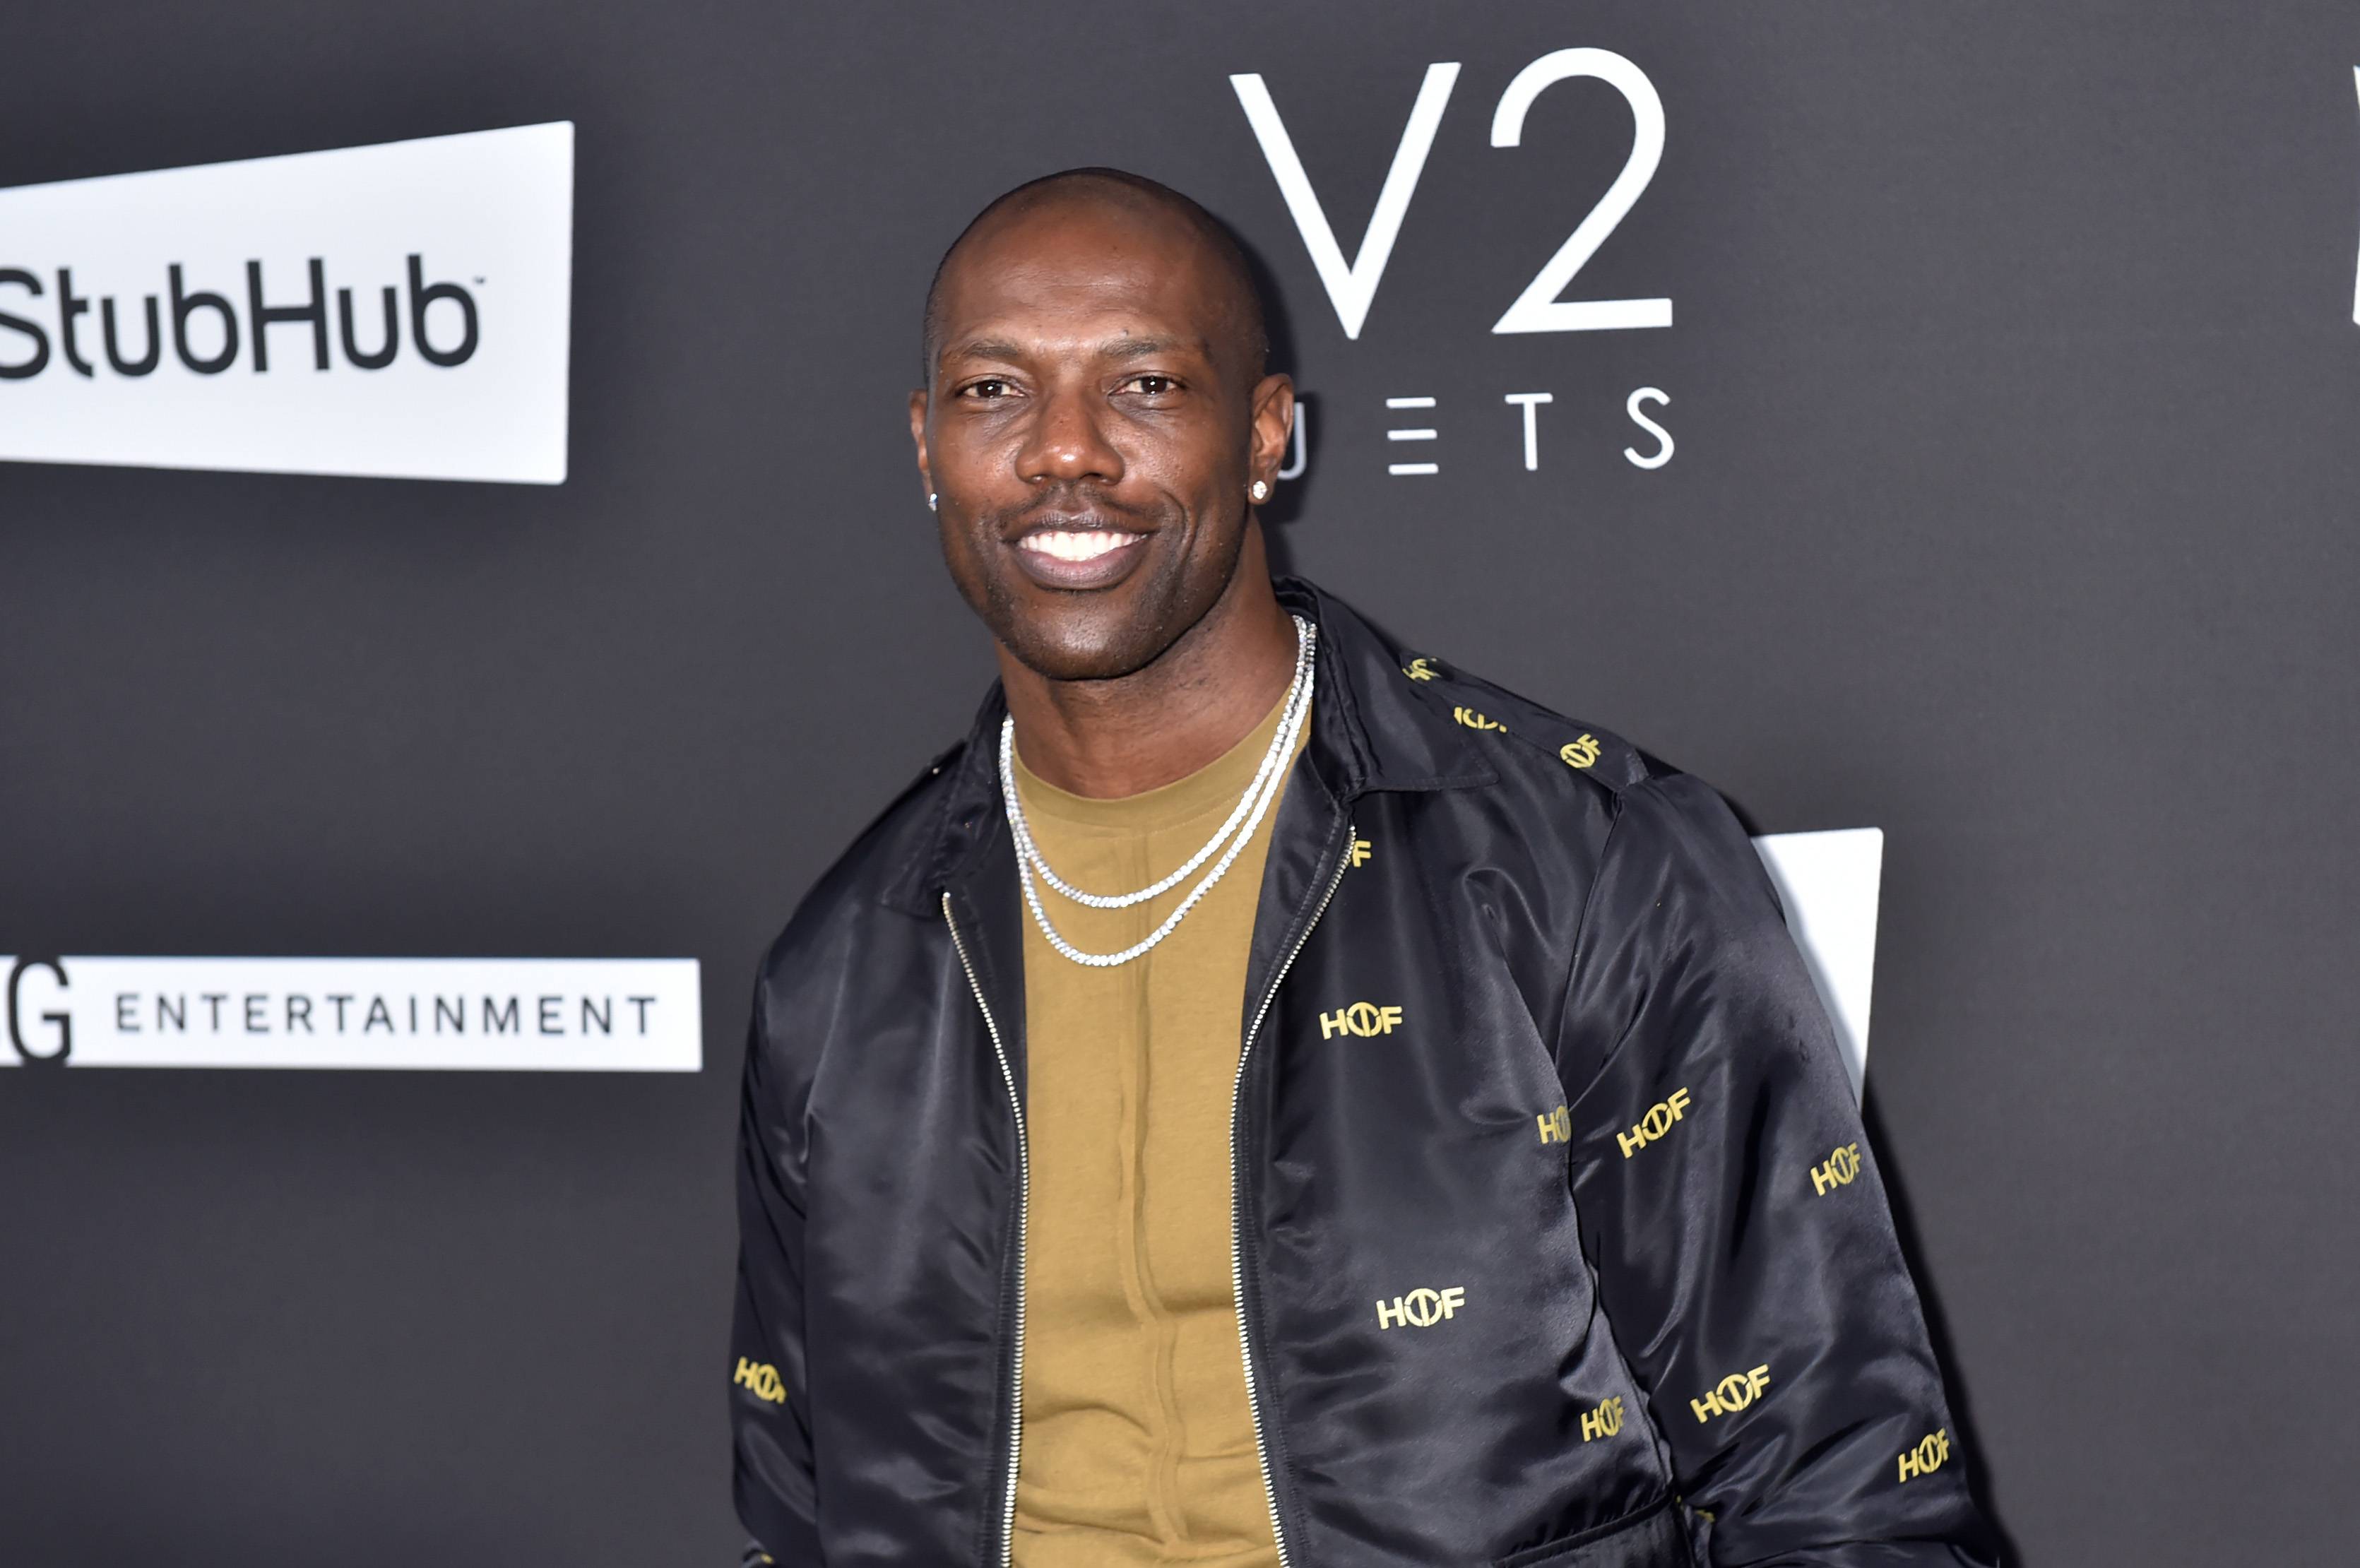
pixel 1555 1238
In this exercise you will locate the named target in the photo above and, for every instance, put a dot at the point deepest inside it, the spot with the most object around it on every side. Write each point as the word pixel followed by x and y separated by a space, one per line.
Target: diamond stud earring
pixel 932 497
pixel 1258 490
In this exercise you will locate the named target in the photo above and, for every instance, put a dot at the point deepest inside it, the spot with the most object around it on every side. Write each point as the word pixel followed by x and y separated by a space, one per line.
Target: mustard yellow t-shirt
pixel 1138 1443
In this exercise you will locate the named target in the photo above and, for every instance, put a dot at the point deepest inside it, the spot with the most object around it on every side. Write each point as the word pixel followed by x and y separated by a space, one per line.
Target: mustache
pixel 1081 504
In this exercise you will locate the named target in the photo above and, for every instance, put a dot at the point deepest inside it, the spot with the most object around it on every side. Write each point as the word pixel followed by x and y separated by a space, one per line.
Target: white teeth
pixel 1066 544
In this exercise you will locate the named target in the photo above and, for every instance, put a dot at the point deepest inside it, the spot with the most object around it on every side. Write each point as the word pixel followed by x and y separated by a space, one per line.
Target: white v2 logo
pixel 1353 285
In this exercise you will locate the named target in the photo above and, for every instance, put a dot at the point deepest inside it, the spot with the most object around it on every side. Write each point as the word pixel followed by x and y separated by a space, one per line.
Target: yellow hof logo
pixel 1419 670
pixel 1932 1449
pixel 1603 1421
pixel 1420 1308
pixel 1556 1126
pixel 1475 721
pixel 762 1378
pixel 1732 1394
pixel 1660 1119
pixel 1840 1167
pixel 1579 753
pixel 1361 1018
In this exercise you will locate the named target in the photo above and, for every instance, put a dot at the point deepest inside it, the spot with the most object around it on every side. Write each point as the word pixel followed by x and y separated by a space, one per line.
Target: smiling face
pixel 1095 412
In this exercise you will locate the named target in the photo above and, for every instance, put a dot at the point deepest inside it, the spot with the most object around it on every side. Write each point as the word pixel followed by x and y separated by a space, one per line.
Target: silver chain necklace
pixel 1236 833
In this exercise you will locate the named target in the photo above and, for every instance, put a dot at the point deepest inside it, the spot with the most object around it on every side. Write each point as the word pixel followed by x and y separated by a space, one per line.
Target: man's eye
pixel 990 388
pixel 1153 386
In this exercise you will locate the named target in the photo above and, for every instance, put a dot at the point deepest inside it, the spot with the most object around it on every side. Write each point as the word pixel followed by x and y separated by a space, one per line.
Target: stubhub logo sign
pixel 398 311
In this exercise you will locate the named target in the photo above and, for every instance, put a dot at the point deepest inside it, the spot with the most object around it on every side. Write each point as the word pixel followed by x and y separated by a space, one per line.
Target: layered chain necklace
pixel 1228 841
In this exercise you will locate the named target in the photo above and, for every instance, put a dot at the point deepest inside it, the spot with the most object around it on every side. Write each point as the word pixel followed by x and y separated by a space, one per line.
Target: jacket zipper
pixel 1023 1226
pixel 1237 1190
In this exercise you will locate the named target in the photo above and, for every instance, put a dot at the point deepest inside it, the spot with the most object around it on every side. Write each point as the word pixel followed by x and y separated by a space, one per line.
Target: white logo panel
pixel 1829 883
pixel 574 1014
pixel 398 311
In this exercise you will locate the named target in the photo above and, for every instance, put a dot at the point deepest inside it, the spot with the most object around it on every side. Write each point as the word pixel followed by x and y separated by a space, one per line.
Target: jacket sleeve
pixel 1730 1208
pixel 769 1416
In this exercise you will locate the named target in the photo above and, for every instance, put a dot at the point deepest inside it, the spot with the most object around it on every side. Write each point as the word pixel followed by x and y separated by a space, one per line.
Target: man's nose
pixel 1067 441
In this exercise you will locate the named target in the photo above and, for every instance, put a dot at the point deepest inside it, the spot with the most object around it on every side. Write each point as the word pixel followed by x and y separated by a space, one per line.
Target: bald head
pixel 1114 198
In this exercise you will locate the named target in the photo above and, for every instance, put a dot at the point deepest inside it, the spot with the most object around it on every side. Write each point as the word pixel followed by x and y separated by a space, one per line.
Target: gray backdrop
pixel 2013 382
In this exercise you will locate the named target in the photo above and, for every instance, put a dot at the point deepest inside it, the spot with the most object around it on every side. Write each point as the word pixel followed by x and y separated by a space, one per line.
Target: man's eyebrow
pixel 984 348
pixel 1144 348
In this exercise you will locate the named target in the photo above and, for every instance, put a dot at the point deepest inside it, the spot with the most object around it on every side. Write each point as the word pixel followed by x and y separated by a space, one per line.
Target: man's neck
pixel 1207 692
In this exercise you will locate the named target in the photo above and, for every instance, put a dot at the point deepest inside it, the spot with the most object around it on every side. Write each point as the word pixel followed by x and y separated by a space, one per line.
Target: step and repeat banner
pixel 463 575
pixel 409 390
pixel 521 1015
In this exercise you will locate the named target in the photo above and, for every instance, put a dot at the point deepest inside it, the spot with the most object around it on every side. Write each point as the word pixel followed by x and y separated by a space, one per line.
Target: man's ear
pixel 1273 428
pixel 918 405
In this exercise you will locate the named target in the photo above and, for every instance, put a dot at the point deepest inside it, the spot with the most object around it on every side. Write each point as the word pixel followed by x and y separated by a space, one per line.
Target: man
pixel 1269 1097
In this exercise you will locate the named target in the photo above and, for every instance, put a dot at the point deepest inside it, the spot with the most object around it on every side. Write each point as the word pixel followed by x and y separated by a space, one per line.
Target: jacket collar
pixel 1370 732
